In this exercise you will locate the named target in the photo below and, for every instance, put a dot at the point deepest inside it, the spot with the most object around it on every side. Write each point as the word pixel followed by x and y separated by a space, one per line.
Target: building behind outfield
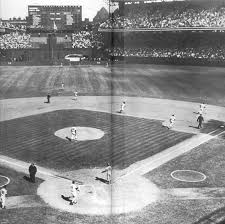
pixel 55 17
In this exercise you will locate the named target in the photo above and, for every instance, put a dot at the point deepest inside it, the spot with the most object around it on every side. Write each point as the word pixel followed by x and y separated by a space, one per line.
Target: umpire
pixel 32 171
pixel 200 120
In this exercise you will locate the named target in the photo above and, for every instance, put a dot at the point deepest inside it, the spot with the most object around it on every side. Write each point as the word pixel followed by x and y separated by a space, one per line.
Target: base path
pixel 150 108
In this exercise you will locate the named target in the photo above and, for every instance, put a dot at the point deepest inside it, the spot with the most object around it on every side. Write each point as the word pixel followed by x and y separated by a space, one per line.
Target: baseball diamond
pixel 133 142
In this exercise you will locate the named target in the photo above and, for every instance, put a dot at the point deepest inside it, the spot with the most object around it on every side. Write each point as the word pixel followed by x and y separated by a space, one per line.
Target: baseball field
pixel 160 175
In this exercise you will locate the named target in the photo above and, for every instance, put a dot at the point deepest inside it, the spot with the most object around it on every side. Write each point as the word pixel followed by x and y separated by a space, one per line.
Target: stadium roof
pixel 148 1
pixel 144 0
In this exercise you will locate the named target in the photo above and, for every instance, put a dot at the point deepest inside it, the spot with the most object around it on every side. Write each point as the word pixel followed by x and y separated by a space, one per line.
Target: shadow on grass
pixel 27 178
pixel 217 216
pixel 102 180
pixel 190 126
pixel 66 198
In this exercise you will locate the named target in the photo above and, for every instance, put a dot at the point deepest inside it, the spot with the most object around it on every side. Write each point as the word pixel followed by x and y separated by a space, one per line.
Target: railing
pixel 216 29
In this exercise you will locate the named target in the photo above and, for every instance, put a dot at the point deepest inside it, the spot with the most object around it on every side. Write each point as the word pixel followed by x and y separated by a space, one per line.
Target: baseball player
pixel 62 85
pixel 200 120
pixel 172 121
pixel 48 97
pixel 108 171
pixel 3 193
pixel 202 107
pixel 74 193
pixel 75 95
pixel 32 171
pixel 73 134
pixel 122 107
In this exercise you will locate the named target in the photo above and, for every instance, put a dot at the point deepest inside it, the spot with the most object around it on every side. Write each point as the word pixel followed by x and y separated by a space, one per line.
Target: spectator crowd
pixel 15 41
pixel 87 39
pixel 200 53
pixel 4 25
pixel 167 15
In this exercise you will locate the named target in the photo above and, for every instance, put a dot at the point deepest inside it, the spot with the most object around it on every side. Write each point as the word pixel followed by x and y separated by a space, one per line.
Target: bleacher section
pixel 167 16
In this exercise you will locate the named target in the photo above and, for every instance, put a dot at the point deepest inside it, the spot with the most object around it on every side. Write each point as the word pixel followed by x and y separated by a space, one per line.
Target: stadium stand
pixel 207 53
pixel 177 14
pixel 5 25
pixel 15 41
pixel 87 39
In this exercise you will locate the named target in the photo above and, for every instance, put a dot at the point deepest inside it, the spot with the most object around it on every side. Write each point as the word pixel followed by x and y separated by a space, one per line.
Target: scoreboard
pixel 55 17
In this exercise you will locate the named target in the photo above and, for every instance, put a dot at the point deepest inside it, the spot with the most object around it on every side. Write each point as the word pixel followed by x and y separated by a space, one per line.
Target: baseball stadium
pixel 93 106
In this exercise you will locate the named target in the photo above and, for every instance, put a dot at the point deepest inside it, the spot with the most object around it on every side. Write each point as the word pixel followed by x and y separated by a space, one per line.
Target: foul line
pixel 166 156
pixel 44 173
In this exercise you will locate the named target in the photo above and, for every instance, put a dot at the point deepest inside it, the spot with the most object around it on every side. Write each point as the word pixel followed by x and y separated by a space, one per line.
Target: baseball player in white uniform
pixel 202 107
pixel 3 193
pixel 75 95
pixel 73 134
pixel 122 107
pixel 172 121
pixel 108 171
pixel 74 193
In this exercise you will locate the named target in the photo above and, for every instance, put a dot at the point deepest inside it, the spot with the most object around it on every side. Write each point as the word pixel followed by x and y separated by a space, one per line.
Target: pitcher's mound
pixel 83 133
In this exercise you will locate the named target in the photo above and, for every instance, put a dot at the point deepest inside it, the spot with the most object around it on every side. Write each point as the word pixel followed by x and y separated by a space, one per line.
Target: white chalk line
pixel 24 166
pixel 7 181
pixel 167 154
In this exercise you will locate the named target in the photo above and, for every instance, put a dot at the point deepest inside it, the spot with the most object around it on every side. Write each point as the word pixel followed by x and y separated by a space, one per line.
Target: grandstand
pixel 174 32
pixel 167 16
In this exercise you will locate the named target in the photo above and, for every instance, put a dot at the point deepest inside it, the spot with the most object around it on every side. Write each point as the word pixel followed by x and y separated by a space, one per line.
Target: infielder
pixel 48 97
pixel 3 193
pixel 202 107
pixel 73 133
pixel 122 107
pixel 75 95
pixel 108 171
pixel 74 193
pixel 172 121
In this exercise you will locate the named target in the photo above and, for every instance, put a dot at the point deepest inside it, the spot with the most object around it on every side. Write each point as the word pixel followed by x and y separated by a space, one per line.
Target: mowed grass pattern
pixel 189 83
pixel 126 140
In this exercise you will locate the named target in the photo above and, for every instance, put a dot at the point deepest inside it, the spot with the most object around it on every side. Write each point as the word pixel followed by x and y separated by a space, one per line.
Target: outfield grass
pixel 161 81
pixel 126 140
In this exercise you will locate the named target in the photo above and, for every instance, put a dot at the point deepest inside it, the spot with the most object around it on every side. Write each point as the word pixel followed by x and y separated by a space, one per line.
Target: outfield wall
pixel 169 61
pixel 42 56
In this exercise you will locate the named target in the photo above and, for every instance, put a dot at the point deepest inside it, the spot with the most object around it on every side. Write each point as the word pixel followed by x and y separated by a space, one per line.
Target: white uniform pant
pixel 3 199
pixel 171 124
pixel 73 198
pixel 73 137
pixel 108 177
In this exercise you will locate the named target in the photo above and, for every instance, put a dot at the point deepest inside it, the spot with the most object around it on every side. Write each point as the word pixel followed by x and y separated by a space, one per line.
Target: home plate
pixel 83 133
